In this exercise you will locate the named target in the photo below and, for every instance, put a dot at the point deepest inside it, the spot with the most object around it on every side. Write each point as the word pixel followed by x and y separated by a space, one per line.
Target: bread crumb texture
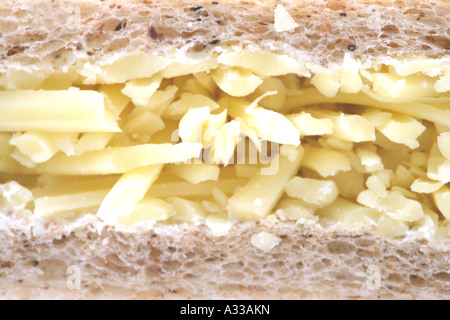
pixel 190 263
pixel 326 29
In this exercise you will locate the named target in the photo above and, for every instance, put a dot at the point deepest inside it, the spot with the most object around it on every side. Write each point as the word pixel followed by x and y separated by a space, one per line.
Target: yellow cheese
pixel 325 161
pixel 195 173
pixel 56 185
pixel 219 224
pixel 16 79
pixel 348 127
pixel 23 159
pixel 142 127
pixel 439 169
pixel 178 108
pixel 91 141
pixel 405 192
pixel 219 197
pixel 349 183
pixel 84 111
pixel 39 147
pixel 237 82
pixel 188 65
pixel 327 84
pixel 403 129
pixel 292 83
pixel 353 128
pixel 442 201
pixel 269 125
pixel 377 117
pixel 349 76
pixel 127 192
pixel 283 20
pixel 274 101
pixel 206 81
pixel 273 126
pixel 213 125
pixel 192 123
pixel 443 84
pixel 415 108
pixel 187 210
pixel 413 86
pixel 422 185
pixel 353 159
pixel 158 102
pixel 395 205
pixel 225 142
pixel 59 80
pixel 46 207
pixel 148 210
pixel 318 192
pixel 141 90
pixel 409 66
pixel 370 159
pixel 7 163
pixel 388 227
pixel 251 134
pixel 119 159
pixel 14 196
pixel 348 214
pixel 210 206
pixel 115 100
pixel 189 190
pixel 298 213
pixel 289 152
pixel 246 170
pixel 263 63
pixel 66 142
pixel 211 121
pixel 402 177
pixel 336 143
pixel 444 144
pixel 190 84
pixel 310 126
pixel 255 200
pixel 265 241
pixel 377 186
pixel 135 66
pixel 419 160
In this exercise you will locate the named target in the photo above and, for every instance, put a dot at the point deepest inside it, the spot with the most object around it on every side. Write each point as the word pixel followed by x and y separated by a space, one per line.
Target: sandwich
pixel 224 149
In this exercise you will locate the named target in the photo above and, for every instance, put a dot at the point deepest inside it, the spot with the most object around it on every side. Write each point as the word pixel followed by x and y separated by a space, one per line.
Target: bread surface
pixel 373 30
pixel 184 262
pixel 188 261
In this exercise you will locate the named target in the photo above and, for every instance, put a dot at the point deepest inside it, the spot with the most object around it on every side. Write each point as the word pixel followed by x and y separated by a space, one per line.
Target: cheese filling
pixel 237 136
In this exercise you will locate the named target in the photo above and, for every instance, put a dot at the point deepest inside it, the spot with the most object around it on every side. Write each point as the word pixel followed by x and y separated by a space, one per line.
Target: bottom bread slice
pixel 88 260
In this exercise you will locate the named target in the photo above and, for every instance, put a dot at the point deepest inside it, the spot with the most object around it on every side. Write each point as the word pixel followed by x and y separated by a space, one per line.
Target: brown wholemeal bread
pixel 33 37
pixel 189 263
pixel 316 260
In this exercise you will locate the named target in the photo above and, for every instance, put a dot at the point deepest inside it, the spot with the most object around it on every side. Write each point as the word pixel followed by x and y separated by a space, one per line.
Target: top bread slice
pixel 40 34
